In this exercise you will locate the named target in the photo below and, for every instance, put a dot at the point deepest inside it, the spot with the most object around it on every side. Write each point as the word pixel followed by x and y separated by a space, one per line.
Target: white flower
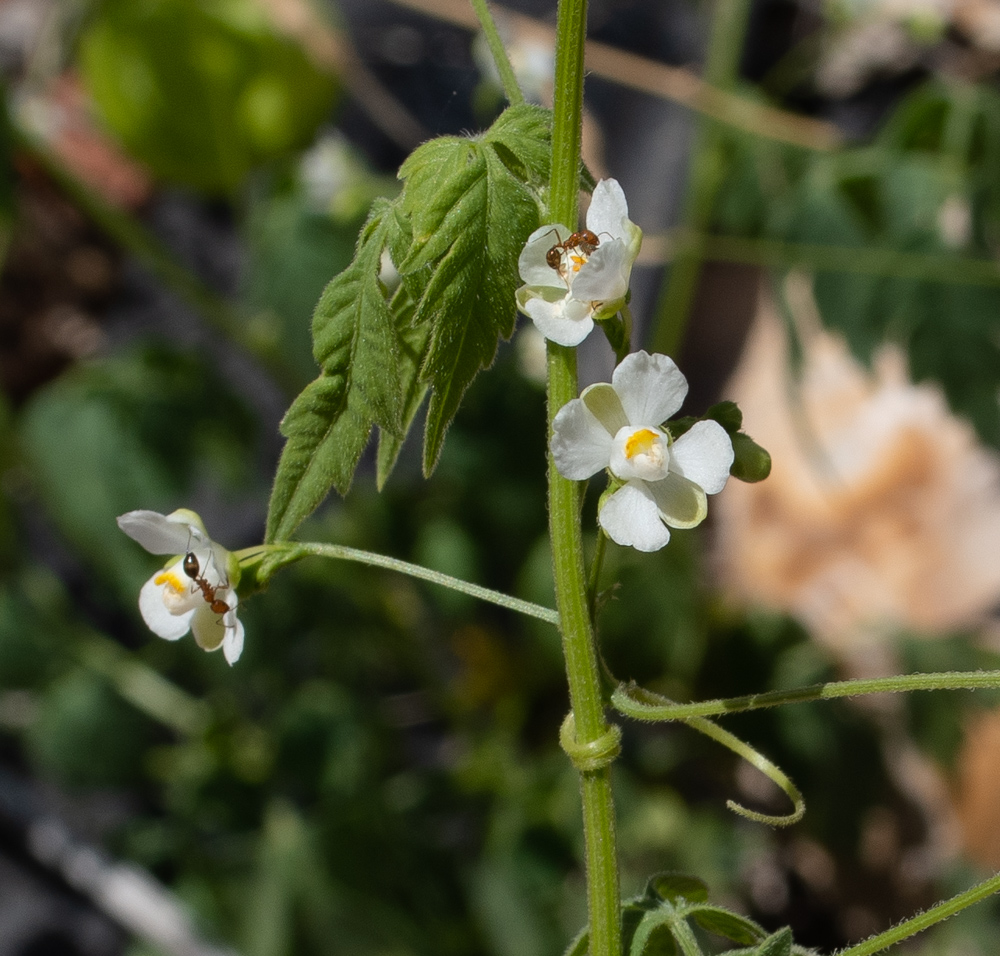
pixel 197 590
pixel 571 279
pixel 619 427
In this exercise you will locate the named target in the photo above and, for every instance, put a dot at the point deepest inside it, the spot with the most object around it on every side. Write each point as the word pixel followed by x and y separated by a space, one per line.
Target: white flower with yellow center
pixel 194 592
pixel 619 427
pixel 571 279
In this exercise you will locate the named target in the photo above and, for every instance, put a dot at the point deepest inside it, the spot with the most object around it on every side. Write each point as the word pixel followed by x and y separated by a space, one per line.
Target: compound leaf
pixel 470 235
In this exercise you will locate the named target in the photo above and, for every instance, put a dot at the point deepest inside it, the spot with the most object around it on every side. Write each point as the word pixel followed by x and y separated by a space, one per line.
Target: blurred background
pixel 819 184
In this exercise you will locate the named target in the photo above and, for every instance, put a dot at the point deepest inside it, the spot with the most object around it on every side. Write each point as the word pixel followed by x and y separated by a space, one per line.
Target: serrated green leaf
pixel 722 922
pixel 525 132
pixel 326 434
pixel 443 202
pixel 354 335
pixel 471 236
pixel 677 886
pixel 424 160
pixel 455 234
pixel 413 341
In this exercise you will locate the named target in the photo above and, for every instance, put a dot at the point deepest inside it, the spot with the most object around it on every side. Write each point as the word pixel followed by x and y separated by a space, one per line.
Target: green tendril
pixel 625 700
pixel 594 755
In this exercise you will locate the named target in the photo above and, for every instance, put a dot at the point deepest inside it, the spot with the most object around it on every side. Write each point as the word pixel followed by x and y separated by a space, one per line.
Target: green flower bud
pixel 752 463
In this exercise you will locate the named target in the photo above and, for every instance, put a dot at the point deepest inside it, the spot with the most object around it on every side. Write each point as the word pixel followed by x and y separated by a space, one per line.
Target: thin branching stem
pixel 922 921
pixel 343 553
pixel 636 703
pixel 507 77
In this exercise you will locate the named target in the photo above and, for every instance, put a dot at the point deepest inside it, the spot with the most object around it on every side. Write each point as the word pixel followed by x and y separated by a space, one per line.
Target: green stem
pixel 682 933
pixel 582 670
pixel 635 702
pixel 924 920
pixel 286 554
pixel 567 120
pixel 507 78
pixel 729 23
pixel 594 579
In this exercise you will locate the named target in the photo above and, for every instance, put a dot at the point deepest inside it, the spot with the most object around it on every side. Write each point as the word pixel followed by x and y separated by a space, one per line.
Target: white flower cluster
pixel 571 280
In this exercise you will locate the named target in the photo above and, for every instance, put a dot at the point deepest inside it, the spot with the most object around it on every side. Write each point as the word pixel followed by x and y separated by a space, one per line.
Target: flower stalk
pixel 587 708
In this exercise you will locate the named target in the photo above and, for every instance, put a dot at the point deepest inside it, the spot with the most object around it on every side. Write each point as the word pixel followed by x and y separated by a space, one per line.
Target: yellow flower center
pixel 640 442
pixel 171 581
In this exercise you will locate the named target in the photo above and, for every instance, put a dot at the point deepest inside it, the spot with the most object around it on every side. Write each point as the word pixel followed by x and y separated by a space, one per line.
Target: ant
pixel 193 570
pixel 583 241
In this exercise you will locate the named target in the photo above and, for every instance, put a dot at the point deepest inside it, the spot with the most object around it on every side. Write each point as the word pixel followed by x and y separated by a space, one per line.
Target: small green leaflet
pixel 454 235
pixel 470 220
pixel 328 425
pixel 326 436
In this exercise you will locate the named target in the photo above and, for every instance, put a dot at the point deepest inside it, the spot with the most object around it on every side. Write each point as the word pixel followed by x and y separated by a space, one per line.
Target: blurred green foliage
pixel 904 233
pixel 202 91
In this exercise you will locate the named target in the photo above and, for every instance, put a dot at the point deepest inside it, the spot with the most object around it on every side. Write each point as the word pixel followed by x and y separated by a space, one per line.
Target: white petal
pixel 604 276
pixel 154 612
pixel 581 445
pixel 566 322
pixel 158 534
pixel 630 517
pixel 209 628
pixel 608 207
pixel 651 387
pixel 603 401
pixel 232 646
pixel 681 503
pixel 704 455
pixel 531 263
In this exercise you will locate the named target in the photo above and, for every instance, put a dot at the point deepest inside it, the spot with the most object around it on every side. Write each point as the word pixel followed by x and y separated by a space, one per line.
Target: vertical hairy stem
pixel 582 669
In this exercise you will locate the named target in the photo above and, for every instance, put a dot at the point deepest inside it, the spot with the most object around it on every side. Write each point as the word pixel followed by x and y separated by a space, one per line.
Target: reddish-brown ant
pixel 193 570
pixel 584 242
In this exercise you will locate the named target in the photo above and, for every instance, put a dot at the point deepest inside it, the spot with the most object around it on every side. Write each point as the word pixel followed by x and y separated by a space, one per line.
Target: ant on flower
pixel 583 242
pixel 209 592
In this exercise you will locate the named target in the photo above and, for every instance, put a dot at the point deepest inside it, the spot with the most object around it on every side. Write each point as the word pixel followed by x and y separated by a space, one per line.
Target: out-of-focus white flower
pixel 531 356
pixel 573 279
pixel 882 511
pixel 194 592
pixel 954 221
pixel 620 427
pixel 532 57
